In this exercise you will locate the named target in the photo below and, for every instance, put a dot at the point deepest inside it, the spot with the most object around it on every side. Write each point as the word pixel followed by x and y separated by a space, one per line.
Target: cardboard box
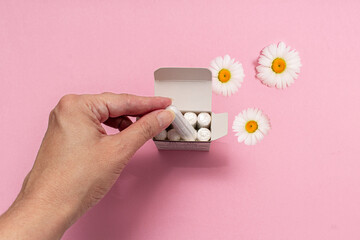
pixel 191 91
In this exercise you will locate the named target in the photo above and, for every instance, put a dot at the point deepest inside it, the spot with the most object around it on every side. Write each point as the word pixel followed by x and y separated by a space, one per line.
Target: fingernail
pixel 165 118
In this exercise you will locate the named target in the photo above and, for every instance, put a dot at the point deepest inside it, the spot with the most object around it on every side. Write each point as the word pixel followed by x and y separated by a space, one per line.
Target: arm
pixel 78 162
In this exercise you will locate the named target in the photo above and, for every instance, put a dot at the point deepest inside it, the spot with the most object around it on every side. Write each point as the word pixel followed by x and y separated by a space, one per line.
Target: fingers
pixel 144 129
pixel 114 105
pixel 120 122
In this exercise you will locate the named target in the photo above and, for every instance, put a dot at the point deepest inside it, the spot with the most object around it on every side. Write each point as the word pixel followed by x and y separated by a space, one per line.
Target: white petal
pixel 272 50
pixel 219 62
pixel 280 51
pixel 226 61
pixel 242 137
pixel 214 72
pixel 214 66
pixel 259 136
pixel 253 139
pixel 264 61
pixel 266 52
pixel 248 139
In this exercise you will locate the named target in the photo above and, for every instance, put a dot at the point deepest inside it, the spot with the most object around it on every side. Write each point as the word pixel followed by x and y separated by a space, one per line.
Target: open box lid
pixel 190 88
pixel 219 125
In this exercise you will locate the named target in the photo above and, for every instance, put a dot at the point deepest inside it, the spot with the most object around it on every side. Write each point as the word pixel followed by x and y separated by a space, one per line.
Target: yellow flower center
pixel 278 65
pixel 224 75
pixel 251 126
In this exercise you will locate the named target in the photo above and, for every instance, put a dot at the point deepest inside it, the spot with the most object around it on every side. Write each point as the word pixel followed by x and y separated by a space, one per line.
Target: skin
pixel 78 162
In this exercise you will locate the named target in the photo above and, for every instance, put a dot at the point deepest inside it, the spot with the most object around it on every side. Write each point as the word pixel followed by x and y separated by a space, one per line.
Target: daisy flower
pixel 279 66
pixel 227 75
pixel 250 126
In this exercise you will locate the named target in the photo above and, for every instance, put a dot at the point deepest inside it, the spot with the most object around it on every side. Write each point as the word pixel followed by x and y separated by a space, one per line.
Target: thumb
pixel 144 129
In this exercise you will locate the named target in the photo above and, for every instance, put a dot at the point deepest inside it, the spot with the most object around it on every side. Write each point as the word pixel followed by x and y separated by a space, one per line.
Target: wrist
pixel 34 218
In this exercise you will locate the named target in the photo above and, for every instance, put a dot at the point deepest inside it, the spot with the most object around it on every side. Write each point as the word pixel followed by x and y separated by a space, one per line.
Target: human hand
pixel 78 162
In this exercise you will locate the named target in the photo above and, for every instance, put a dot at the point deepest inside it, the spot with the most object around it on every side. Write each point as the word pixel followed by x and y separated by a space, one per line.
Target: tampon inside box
pixel 191 91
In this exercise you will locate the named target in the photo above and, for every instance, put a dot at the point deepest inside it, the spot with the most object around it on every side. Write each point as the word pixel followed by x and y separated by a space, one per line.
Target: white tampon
pixel 173 135
pixel 204 134
pixel 204 120
pixel 161 136
pixel 182 126
pixel 191 118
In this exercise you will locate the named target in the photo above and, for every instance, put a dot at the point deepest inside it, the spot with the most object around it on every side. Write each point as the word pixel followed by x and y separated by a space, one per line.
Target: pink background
pixel 300 182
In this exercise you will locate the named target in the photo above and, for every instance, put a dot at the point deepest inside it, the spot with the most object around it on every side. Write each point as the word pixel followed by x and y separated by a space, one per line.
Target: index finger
pixel 114 105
